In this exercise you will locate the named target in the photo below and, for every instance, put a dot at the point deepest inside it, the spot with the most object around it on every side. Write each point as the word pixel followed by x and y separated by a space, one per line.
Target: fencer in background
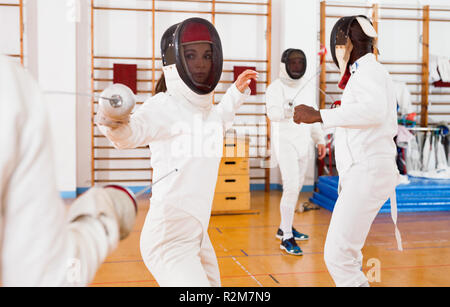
pixel 40 243
pixel 291 143
pixel 366 124
pixel 185 131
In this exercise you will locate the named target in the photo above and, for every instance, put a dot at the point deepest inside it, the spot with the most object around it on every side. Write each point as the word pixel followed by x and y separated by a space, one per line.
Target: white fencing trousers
pixel 173 251
pixel 366 186
pixel 293 170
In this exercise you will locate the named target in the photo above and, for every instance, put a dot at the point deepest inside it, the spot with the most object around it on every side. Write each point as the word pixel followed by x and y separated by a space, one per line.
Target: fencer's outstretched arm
pixel 369 106
pixel 40 244
pixel 151 122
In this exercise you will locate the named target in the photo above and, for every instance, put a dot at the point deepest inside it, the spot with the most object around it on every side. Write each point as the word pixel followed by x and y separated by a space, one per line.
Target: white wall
pixel 9 30
pixel 49 40
pixel 31 49
pixel 83 85
pixel 56 67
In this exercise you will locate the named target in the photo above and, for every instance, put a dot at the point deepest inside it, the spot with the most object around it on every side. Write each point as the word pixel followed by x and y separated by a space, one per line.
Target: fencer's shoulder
pixel 15 79
pixel 20 93
pixel 162 103
pixel 371 68
pixel 157 99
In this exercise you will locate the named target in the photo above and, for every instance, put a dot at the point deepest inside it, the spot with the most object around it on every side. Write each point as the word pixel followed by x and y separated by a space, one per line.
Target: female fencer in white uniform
pixel 185 132
pixel 291 142
pixel 41 244
pixel 366 124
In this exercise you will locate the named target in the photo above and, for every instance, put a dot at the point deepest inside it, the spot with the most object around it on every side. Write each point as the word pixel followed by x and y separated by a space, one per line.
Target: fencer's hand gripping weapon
pixel 142 192
pixel 116 102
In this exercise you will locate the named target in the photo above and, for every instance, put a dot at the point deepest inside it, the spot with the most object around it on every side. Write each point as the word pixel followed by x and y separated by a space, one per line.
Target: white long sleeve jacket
pixel 366 124
pixel 185 131
pixel 366 121
pixel 40 244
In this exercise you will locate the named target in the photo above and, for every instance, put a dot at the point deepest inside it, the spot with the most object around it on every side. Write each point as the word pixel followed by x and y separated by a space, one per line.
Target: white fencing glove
pixel 125 205
pixel 113 205
pixel 115 105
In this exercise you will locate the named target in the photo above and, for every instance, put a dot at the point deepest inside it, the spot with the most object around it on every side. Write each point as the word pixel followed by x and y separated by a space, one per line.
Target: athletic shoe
pixel 297 235
pixel 291 247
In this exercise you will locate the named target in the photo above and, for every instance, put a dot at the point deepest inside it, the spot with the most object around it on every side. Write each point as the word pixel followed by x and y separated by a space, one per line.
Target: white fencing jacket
pixel 366 121
pixel 40 244
pixel 185 131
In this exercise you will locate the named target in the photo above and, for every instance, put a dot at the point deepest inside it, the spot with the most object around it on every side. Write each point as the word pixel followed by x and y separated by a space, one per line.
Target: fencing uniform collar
pixel 364 59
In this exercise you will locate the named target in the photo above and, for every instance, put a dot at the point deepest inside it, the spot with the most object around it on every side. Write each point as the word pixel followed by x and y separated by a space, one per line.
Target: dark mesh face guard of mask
pixel 195 47
pixel 295 61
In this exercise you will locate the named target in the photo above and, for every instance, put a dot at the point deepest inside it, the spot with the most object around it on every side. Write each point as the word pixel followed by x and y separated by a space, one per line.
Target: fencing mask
pixel 350 34
pixel 295 63
pixel 194 47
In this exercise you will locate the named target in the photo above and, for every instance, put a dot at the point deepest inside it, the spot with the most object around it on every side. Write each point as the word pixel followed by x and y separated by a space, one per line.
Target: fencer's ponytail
pixel 161 85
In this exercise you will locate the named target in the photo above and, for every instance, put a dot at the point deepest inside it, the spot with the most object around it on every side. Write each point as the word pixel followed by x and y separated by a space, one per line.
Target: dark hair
pixel 161 85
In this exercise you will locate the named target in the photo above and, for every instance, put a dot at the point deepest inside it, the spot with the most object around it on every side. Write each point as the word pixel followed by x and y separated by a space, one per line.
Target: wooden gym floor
pixel 249 254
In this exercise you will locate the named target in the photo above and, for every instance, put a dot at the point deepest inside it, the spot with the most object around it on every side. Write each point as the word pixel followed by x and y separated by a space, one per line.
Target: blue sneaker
pixel 297 235
pixel 291 247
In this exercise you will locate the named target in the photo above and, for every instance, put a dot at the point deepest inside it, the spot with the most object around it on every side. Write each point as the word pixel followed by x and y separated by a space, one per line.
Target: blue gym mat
pixel 420 195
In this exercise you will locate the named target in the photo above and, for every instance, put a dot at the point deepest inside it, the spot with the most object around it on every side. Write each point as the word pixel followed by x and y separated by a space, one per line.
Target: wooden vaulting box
pixel 233 182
